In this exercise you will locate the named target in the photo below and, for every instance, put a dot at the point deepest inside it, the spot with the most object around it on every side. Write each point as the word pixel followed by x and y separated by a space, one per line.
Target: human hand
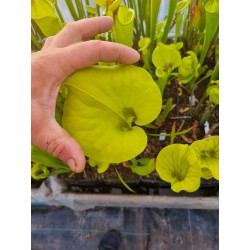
pixel 61 56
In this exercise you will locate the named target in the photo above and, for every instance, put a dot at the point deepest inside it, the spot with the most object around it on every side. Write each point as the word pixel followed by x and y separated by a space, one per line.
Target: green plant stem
pixel 146 60
pixel 173 134
pixel 153 18
pixel 215 74
pixel 147 17
pixel 185 34
pixel 178 26
pixel 80 10
pixel 141 10
pixel 181 126
pixel 212 25
pixel 155 6
pixel 57 172
pixel 136 20
pixel 126 2
pixel 162 82
pixel 73 173
pixel 61 167
pixel 185 31
pixel 71 9
pixel 200 103
pixel 208 110
pixel 123 182
pixel 176 134
pixel 38 155
pixel 98 10
pixel 171 11
pixel 37 32
pixel 34 40
pixel 194 86
pixel 162 117
pixel 59 12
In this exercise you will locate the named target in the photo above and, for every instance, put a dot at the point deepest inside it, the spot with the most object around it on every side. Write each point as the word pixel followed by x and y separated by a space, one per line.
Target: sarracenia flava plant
pixel 183 166
pixel 105 113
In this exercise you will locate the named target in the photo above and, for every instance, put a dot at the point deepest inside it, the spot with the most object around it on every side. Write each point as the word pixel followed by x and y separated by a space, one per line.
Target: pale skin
pixel 62 55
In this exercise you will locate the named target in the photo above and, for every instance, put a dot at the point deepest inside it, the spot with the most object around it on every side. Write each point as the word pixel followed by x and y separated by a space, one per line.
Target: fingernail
pixel 72 164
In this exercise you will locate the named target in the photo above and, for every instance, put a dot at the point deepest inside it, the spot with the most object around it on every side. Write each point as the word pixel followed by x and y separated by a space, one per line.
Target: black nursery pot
pixel 109 183
pixel 141 186
pixel 146 185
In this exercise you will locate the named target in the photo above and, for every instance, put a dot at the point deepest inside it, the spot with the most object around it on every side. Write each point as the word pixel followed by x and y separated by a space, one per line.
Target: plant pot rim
pixel 80 202
pixel 54 192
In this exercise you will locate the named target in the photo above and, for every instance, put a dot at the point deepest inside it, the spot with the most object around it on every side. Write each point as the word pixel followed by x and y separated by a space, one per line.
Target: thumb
pixel 56 141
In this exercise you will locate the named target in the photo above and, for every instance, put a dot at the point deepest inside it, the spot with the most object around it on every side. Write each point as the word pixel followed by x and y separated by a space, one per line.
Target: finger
pixel 84 29
pixel 88 53
pixel 56 141
pixel 48 42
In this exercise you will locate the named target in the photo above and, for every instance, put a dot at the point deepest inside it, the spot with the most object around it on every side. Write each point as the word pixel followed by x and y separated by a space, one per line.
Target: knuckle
pixel 69 25
pixel 49 39
pixel 115 50
pixel 96 47
pixel 55 147
pixel 106 50
pixel 47 42
pixel 72 30
pixel 96 43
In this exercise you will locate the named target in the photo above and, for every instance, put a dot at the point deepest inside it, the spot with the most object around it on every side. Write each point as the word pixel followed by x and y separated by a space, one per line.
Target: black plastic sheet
pixel 61 228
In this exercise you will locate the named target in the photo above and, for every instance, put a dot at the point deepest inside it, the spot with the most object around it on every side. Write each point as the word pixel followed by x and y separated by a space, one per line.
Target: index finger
pixel 78 31
pixel 88 53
